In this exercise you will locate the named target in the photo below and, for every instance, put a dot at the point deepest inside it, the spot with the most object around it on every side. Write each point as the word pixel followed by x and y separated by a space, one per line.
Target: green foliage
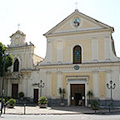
pixel 95 105
pixel 62 93
pixel 21 94
pixel 42 100
pixel 11 102
pixel 3 100
pixel 90 94
pixel 8 59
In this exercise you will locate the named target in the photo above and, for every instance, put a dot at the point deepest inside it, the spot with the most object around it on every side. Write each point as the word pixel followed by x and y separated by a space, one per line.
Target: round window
pixel 77 22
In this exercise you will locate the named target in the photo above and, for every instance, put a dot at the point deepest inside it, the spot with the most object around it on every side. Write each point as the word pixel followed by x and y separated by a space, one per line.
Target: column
pixel 59 82
pixel 95 84
pixel 59 52
pixel 94 49
pixel 108 78
pixel 107 48
pixel 49 52
pixel 48 84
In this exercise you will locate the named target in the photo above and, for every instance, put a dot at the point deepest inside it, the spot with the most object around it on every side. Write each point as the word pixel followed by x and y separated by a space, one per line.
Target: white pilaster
pixel 30 60
pixel 49 52
pixel 108 78
pixel 22 60
pixel 95 84
pixel 59 52
pixel 48 84
pixel 59 82
pixel 107 48
pixel 94 49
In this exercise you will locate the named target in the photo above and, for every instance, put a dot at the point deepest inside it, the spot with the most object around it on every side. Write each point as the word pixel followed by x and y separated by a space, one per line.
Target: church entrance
pixel 77 93
pixel 14 90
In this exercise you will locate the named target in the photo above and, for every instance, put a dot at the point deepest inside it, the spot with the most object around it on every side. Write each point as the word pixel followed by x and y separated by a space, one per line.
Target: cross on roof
pixel 76 4
pixel 18 26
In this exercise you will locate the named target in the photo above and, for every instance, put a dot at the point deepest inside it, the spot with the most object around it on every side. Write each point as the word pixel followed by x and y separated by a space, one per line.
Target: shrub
pixel 95 105
pixel 11 102
pixel 21 94
pixel 42 100
pixel 3 100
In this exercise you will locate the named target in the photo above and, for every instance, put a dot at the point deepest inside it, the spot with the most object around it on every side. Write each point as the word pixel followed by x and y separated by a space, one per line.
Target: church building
pixel 80 57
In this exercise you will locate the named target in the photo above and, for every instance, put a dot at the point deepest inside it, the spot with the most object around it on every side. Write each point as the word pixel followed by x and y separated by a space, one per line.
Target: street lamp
pixel 41 85
pixel 4 61
pixel 111 86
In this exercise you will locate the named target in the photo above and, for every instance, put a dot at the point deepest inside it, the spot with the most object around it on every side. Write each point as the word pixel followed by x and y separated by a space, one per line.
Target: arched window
pixel 77 54
pixel 16 66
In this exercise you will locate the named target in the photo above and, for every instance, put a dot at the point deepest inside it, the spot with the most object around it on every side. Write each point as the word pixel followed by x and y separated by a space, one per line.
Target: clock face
pixel 77 22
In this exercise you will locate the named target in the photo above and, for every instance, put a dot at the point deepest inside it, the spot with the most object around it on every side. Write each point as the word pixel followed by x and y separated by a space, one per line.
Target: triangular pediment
pixel 86 23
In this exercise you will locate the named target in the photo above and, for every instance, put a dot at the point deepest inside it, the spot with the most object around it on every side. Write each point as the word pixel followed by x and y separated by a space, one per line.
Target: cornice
pixel 96 64
pixel 79 32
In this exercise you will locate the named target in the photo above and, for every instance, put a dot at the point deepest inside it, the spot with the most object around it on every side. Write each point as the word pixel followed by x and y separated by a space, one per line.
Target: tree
pixel 8 59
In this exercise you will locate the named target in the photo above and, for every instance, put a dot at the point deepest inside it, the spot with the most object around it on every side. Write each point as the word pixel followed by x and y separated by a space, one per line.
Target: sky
pixel 36 17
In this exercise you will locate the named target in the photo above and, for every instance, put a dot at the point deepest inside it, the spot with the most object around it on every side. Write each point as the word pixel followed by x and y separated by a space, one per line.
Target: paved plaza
pixel 59 113
pixel 60 117
pixel 35 110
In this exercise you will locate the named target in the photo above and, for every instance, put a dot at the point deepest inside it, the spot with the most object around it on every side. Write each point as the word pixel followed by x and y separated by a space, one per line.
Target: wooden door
pixel 36 92
pixel 15 91
pixel 77 94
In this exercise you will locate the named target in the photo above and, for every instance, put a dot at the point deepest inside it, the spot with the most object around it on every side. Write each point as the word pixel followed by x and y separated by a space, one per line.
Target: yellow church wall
pixel 102 85
pixel 101 49
pixel 64 81
pixel 67 51
pixel 87 53
pixel 54 85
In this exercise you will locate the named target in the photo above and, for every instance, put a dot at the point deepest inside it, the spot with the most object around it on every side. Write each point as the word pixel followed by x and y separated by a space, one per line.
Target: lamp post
pixel 41 85
pixel 4 61
pixel 111 86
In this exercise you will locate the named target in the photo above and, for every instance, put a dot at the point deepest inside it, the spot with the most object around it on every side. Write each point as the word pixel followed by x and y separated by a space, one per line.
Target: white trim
pixel 94 49
pixel 95 85
pixel 59 83
pixel 107 48
pixel 20 62
pixel 59 51
pixel 77 80
pixel 108 78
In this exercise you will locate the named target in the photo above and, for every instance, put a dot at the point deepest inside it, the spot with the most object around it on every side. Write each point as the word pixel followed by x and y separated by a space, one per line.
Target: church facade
pixel 80 57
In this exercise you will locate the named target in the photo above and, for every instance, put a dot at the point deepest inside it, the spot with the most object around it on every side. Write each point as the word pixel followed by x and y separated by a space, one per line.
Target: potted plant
pixel 42 101
pixel 90 95
pixel 95 105
pixel 62 95
pixel 11 103
pixel 21 95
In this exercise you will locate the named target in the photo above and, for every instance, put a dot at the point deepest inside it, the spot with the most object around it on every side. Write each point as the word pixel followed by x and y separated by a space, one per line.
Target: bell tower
pixel 18 39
